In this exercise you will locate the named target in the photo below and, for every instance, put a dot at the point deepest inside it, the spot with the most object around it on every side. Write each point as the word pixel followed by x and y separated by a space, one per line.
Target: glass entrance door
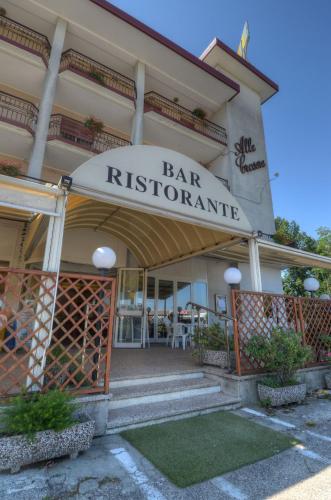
pixel 130 307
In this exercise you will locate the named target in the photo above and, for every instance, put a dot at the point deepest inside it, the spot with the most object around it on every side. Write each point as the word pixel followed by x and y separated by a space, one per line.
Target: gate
pixel 258 313
pixel 75 355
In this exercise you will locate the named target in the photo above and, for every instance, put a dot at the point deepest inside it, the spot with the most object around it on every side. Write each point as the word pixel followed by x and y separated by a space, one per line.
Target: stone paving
pixel 112 469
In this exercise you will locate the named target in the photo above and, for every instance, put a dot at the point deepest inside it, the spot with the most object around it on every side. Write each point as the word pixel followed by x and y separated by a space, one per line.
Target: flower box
pixel 16 451
pixel 279 396
pixel 219 358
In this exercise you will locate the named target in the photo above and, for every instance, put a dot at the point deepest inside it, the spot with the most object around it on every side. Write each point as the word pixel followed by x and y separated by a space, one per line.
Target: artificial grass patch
pixel 196 449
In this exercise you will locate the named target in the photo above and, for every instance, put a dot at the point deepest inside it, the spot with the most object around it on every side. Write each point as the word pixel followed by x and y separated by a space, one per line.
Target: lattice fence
pixel 259 313
pixel 76 355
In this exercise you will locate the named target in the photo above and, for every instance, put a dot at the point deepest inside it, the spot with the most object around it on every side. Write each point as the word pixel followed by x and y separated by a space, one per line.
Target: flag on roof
pixel 243 44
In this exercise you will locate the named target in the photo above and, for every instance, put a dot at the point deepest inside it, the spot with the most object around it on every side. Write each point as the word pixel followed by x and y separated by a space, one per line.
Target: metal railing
pixel 98 73
pixel 18 112
pixel 74 132
pixel 223 317
pixel 162 105
pixel 25 38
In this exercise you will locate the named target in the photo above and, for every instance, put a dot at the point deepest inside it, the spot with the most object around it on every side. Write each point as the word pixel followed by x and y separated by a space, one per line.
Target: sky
pixel 290 43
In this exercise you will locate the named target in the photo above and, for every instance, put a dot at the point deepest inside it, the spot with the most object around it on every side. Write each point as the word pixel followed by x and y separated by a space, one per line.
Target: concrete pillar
pixel 254 264
pixel 47 100
pixel 47 296
pixel 137 130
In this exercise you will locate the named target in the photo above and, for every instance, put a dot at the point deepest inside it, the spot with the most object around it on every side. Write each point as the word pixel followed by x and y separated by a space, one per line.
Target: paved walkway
pixel 112 469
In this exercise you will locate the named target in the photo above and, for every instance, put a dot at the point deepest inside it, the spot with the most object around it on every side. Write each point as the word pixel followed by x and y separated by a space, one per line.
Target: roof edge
pixel 217 42
pixel 121 14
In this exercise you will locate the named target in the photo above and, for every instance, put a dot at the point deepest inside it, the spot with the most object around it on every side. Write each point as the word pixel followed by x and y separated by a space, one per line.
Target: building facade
pixel 164 153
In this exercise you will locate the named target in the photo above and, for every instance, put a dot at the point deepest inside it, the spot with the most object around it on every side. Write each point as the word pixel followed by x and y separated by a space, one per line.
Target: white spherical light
pixel 232 276
pixel 104 258
pixel 311 284
pixel 324 296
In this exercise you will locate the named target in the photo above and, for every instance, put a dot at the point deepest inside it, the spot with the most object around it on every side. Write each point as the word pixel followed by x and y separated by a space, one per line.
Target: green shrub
pixel 10 170
pixel 281 352
pixel 96 75
pixel 199 113
pixel 212 338
pixel 31 413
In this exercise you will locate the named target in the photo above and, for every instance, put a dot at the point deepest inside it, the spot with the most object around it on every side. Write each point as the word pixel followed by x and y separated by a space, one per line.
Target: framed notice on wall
pixel 221 304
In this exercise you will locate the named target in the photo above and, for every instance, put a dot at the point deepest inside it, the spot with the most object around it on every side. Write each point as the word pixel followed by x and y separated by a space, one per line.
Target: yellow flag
pixel 243 44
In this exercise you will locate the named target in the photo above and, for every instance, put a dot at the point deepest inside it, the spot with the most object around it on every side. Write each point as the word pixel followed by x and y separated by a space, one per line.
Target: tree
pixel 289 233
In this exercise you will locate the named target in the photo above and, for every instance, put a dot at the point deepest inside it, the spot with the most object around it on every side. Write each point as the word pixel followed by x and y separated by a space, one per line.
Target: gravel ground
pixel 112 469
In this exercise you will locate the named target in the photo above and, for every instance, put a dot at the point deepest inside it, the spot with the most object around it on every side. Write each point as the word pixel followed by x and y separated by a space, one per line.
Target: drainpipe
pixel 47 100
pixel 137 130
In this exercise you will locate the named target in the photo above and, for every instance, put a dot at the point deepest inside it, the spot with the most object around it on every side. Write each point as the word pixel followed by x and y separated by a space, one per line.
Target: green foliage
pixel 199 113
pixel 95 126
pixel 29 414
pixel 281 352
pixel 211 337
pixel 56 371
pixel 97 76
pixel 265 403
pixel 289 232
pixel 10 170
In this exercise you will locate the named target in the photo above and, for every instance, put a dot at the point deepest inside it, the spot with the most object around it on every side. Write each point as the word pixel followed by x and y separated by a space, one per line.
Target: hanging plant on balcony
pixel 199 113
pixel 10 170
pixel 95 126
pixel 97 76
pixel 3 12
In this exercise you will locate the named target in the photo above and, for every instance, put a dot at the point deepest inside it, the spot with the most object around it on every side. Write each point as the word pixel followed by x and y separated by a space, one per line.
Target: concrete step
pixel 124 397
pixel 121 419
pixel 169 377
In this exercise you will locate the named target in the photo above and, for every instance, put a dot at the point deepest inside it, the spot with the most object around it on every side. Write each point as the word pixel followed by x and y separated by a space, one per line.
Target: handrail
pixel 226 319
pixel 213 311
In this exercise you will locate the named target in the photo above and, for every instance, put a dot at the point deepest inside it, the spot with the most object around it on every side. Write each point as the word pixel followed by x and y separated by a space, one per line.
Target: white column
pixel 254 264
pixel 47 100
pixel 46 303
pixel 137 131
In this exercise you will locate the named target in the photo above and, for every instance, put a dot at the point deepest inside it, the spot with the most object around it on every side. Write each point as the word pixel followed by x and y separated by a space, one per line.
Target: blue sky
pixel 290 43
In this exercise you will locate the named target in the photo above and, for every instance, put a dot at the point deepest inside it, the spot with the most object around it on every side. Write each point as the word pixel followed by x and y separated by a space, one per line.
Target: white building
pixel 175 179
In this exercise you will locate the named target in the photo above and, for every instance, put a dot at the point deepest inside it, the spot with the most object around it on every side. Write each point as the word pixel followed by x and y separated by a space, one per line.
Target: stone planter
pixel 16 451
pixel 219 358
pixel 279 396
pixel 327 378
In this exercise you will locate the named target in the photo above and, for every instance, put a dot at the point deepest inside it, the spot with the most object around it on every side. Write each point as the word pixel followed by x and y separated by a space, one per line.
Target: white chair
pixel 179 333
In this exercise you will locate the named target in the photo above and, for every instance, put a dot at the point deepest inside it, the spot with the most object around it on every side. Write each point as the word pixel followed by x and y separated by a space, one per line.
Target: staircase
pixel 150 400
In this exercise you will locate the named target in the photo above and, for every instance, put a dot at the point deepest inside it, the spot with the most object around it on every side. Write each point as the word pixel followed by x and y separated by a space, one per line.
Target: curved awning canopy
pixel 154 240
pixel 163 205
pixel 163 182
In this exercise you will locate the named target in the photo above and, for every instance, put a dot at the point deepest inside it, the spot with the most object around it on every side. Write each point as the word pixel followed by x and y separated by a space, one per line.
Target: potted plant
pixel 3 11
pixel 281 353
pixel 199 113
pixel 41 426
pixel 97 76
pixel 94 126
pixel 211 346
pixel 10 170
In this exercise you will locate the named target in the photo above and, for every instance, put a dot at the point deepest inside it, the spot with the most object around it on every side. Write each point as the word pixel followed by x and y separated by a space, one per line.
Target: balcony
pixel 91 88
pixel 170 125
pixel 24 53
pixel 70 143
pixel 18 119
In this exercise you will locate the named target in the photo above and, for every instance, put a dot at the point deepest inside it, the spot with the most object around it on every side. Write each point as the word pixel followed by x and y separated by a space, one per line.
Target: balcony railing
pixel 25 38
pixel 98 73
pixel 18 112
pixel 172 110
pixel 74 132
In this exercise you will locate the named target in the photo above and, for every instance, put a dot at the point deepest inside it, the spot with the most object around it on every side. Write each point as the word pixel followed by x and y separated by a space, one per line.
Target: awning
pixel 273 254
pixel 154 240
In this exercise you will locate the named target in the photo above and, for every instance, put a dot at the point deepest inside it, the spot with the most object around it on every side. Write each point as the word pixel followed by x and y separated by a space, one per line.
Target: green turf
pixel 196 449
